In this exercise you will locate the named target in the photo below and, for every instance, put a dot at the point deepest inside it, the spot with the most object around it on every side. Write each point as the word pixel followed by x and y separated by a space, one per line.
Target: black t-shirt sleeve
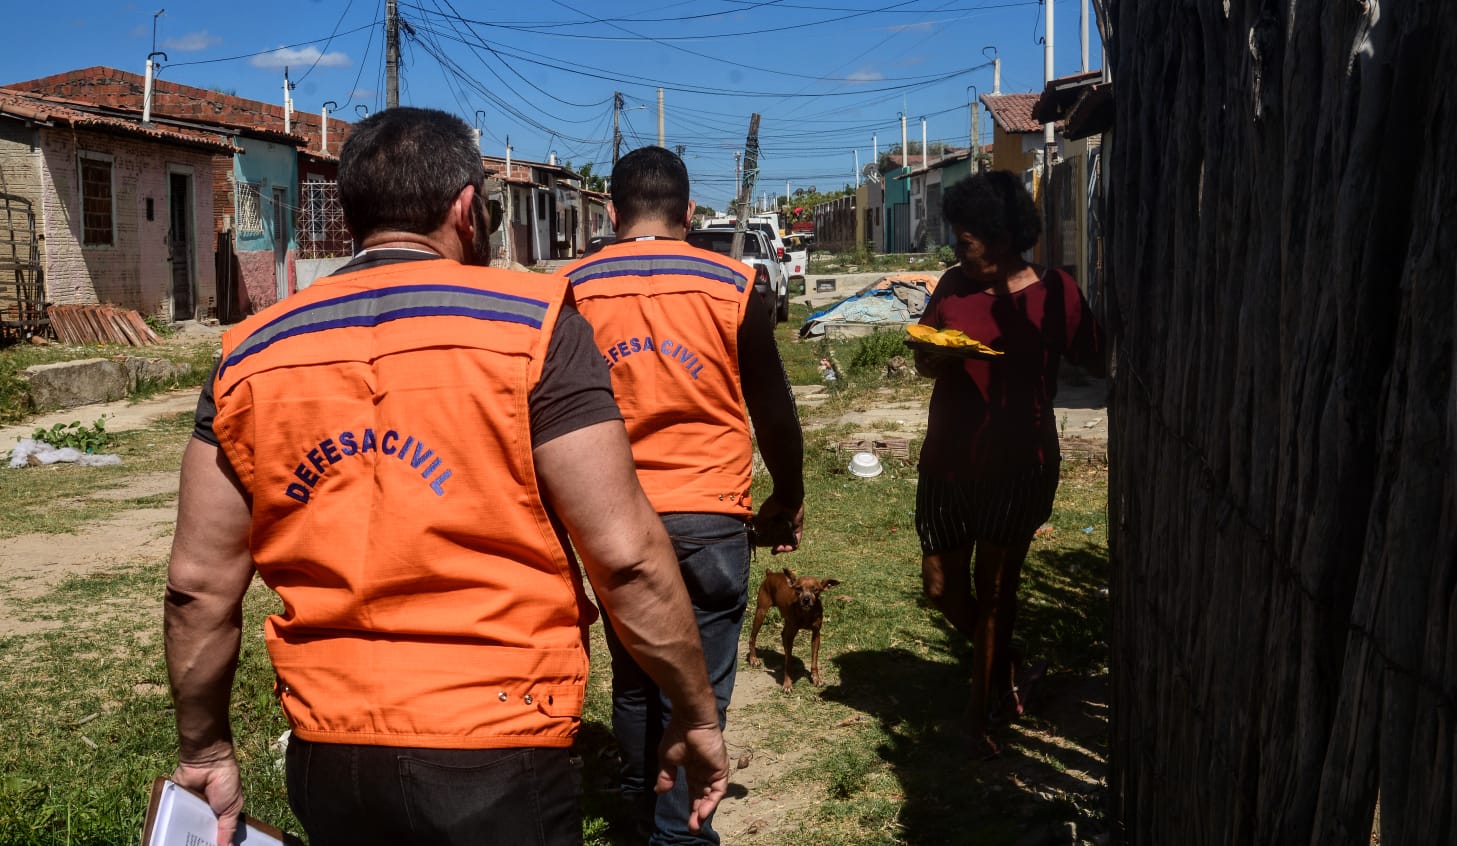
pixel 575 389
pixel 207 409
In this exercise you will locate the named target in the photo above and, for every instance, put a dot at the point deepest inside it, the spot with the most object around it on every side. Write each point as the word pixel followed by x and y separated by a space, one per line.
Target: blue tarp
pixel 891 300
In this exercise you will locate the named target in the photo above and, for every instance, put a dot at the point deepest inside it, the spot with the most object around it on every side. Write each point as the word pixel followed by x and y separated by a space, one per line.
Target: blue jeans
pixel 389 795
pixel 713 555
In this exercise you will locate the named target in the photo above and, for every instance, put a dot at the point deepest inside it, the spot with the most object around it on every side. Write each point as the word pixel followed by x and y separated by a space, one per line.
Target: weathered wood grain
pixel 1282 252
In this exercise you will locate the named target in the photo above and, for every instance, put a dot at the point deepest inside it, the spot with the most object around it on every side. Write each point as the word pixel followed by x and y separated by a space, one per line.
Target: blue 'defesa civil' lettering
pixel 410 451
pixel 615 354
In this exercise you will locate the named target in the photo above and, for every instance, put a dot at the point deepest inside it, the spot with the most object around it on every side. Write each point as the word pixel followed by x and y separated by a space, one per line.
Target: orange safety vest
pixel 666 317
pixel 379 421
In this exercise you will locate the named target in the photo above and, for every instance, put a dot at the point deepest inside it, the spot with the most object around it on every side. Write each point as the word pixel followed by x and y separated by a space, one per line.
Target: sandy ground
pixel 31 565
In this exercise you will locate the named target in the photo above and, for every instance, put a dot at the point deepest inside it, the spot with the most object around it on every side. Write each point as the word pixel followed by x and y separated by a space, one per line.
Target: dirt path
pixel 31 565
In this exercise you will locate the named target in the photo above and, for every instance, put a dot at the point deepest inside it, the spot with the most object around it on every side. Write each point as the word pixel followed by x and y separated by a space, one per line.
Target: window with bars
pixel 97 219
pixel 250 207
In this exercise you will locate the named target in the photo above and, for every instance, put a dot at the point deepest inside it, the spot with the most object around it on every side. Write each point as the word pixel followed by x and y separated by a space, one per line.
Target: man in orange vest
pixel 397 451
pixel 690 344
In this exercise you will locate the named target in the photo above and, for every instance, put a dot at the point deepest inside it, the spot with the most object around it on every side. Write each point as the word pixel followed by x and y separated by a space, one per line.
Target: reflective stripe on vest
pixel 371 308
pixel 609 267
pixel 667 326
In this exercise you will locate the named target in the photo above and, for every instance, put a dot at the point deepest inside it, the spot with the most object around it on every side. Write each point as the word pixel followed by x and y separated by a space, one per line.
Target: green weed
pixel 91 439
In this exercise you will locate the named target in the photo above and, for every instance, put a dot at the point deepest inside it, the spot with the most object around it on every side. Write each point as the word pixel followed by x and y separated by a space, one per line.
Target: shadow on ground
pixel 1053 769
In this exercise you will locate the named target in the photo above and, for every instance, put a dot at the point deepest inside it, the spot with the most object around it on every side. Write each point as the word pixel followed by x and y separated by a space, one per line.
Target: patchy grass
pixel 88 718
pixel 61 497
pixel 15 397
pixel 874 750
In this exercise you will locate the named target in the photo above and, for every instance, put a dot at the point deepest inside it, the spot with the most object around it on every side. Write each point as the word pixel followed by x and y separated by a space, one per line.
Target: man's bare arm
pixel 589 480
pixel 202 613
pixel 776 423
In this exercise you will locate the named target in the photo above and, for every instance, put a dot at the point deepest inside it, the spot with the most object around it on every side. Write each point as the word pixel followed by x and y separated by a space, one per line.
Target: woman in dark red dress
pixel 989 466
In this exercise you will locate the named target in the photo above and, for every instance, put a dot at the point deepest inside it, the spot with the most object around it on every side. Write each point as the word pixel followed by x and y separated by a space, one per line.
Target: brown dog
pixel 798 601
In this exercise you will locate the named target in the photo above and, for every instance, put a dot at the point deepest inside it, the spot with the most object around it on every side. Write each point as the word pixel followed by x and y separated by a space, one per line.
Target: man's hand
pixel 779 525
pixel 700 751
pixel 218 781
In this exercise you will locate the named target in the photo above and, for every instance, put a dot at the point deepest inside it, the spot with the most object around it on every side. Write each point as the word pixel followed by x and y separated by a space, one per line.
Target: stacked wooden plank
pixel 100 324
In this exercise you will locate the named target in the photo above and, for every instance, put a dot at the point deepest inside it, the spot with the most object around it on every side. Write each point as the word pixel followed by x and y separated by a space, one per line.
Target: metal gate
pixel 22 290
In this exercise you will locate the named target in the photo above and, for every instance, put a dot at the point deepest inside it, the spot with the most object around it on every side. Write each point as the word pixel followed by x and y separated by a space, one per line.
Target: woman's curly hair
pixel 994 206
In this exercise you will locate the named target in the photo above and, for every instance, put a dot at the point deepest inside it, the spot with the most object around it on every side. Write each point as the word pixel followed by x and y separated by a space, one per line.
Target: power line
pixel 337 24
pixel 628 79
pixel 270 50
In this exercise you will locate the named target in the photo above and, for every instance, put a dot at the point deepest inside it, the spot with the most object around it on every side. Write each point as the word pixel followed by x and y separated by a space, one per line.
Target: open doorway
pixel 181 248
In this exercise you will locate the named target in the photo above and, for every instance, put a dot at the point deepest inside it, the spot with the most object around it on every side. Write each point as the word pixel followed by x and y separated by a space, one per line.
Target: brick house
pixel 267 217
pixel 101 209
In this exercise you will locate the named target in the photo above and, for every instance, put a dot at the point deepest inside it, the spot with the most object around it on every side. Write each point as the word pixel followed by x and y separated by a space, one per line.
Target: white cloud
pixel 919 26
pixel 192 42
pixel 865 75
pixel 300 57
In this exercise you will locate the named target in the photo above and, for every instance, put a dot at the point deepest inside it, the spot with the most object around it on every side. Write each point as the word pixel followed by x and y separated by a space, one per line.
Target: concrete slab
pixel 68 384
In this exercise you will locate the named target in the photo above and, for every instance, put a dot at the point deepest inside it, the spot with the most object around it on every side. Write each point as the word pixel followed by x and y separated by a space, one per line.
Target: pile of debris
pixel 100 324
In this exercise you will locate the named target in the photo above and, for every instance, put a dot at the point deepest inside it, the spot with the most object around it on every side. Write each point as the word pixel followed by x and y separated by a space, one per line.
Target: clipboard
pixel 177 816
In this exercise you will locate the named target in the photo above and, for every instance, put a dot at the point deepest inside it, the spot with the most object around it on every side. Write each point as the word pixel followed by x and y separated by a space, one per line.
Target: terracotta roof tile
pixel 1013 112
pixel 34 107
pixel 119 89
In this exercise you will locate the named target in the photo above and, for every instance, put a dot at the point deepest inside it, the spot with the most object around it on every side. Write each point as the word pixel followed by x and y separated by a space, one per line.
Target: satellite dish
pixel 871 172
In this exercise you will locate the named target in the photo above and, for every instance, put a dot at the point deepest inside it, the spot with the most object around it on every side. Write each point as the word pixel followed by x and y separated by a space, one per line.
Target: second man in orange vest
pixel 689 344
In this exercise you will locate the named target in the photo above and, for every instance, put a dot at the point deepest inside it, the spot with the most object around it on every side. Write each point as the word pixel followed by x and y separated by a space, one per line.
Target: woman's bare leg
pixel 946 581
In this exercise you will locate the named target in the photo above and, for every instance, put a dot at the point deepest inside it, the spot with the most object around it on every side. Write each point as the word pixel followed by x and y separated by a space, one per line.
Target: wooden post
pixel 746 187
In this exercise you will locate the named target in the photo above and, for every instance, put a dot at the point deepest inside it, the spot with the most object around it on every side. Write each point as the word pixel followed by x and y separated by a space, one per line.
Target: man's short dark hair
pixel 994 206
pixel 401 168
pixel 650 183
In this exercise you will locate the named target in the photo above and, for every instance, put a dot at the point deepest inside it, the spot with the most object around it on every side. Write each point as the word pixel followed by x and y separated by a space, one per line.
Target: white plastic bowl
pixel 865 465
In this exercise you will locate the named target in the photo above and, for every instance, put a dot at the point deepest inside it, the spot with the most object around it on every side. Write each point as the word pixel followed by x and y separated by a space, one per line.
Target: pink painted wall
pixel 256 270
pixel 134 271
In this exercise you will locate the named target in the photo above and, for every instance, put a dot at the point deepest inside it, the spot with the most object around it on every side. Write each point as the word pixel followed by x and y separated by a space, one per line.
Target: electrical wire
pixel 270 50
pixel 337 24
pixel 353 89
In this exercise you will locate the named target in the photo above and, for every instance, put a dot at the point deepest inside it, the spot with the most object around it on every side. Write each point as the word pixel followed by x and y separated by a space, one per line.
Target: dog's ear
pixel 789 574
pixel 829 583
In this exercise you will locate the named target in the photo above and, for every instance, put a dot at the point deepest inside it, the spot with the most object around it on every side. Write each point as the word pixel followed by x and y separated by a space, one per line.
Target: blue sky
pixel 825 75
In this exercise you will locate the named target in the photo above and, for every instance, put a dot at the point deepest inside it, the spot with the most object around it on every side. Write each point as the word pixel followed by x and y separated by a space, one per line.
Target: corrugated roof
pixel 41 109
pixel 1059 95
pixel 1013 112
pixel 112 88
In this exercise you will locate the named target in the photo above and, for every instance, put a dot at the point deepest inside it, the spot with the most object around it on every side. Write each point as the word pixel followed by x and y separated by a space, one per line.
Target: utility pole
pixel 855 177
pixel 925 152
pixel 287 102
pixel 508 234
pixel 905 147
pixel 391 55
pixel 616 131
pixel 479 114
pixel 746 186
pixel 737 154
pixel 151 69
pixel 1084 22
pixel 324 126
pixel 1049 142
pixel 661 142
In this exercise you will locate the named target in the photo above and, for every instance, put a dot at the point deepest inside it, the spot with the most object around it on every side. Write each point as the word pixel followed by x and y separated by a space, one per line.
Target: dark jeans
pixel 359 795
pixel 713 554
